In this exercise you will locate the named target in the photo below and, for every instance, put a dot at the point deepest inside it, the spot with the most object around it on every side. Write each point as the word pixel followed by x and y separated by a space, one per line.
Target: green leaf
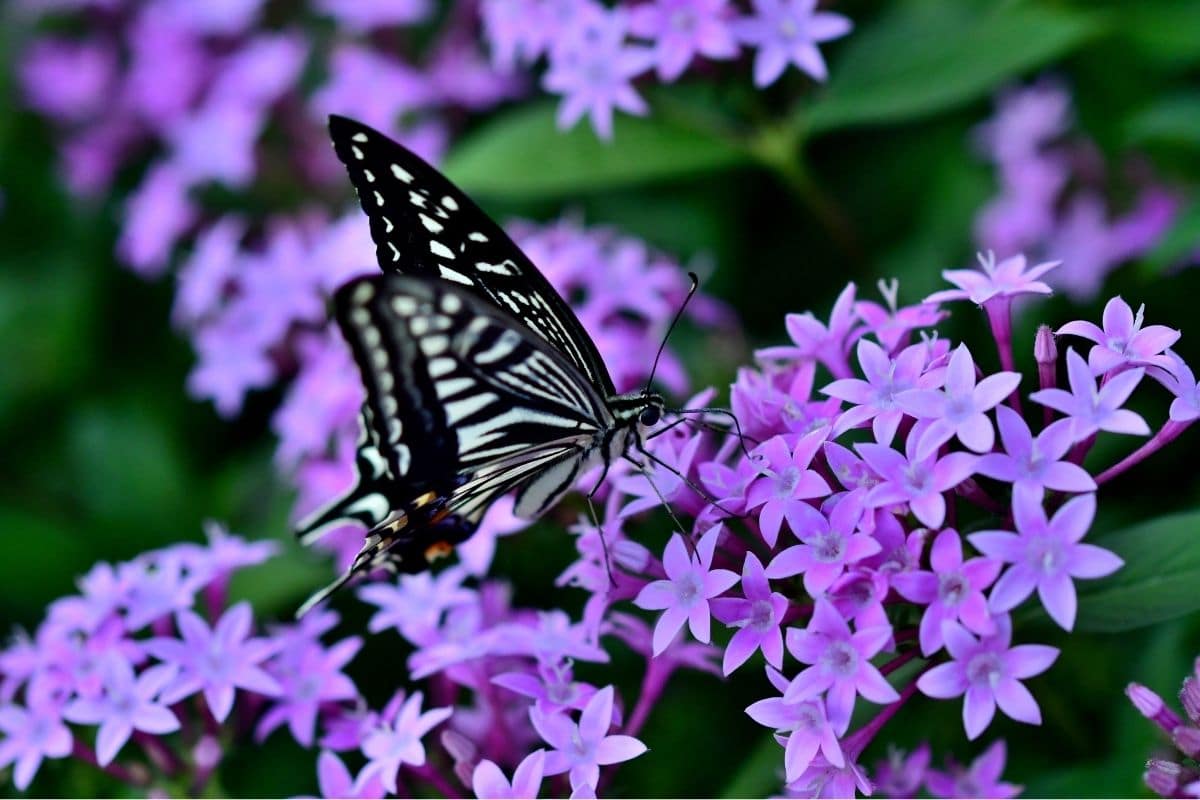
pixel 1173 120
pixel 522 154
pixel 1158 581
pixel 925 58
pixel 758 775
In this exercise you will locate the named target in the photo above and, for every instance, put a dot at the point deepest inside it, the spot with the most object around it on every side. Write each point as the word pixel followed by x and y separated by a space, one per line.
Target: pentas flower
pixel 1091 409
pixel 313 678
pixel 593 67
pixel 756 616
pixel 1123 341
pixel 829 544
pixel 488 780
pixel 1181 382
pixel 802 724
pixel 874 399
pixel 1046 554
pixel 785 484
pixel 839 663
pixel 813 340
pixel 919 482
pixel 988 671
pixel 953 590
pixel 389 747
pixel 958 409
pixel 685 594
pixel 216 661
pixel 823 779
pixel 414 604
pixel 1035 463
pixel 893 324
pixel 553 688
pixel 787 32
pixel 980 779
pixel 582 748
pixel 682 30
pixel 902 774
pixel 128 703
pixel 994 282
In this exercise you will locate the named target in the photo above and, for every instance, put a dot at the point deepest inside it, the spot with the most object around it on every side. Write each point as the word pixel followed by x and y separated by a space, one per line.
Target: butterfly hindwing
pixel 424 225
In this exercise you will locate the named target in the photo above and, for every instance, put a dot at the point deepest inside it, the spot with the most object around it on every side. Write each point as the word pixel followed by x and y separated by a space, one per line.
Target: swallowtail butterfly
pixel 479 378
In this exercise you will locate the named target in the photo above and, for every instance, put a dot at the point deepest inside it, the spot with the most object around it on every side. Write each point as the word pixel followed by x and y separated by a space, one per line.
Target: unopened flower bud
pixel 1189 696
pixel 1187 739
pixel 1045 353
pixel 1151 706
pixel 207 753
pixel 1164 777
pixel 631 556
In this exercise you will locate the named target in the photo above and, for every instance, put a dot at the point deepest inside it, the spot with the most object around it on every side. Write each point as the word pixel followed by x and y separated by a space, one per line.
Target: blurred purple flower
pixel 919 482
pixel 583 748
pixel 757 616
pixel 683 29
pixel 128 703
pixel 336 781
pixel 1046 555
pixel 553 688
pixel 592 67
pixel 414 605
pixel 823 779
pixel 217 660
pixel 1032 463
pixel 958 409
pixel 900 774
pixel 31 735
pixel 685 594
pixel 488 781
pixel 840 664
pixel 980 779
pixel 389 747
pixel 1091 409
pixel 156 215
pixel 989 672
pixel 307 683
pixel 1123 341
pixel 787 32
pixel 68 80
pixel 362 16
pixel 953 590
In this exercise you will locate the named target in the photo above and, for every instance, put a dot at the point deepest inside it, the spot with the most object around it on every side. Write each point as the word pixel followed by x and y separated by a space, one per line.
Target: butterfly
pixel 479 378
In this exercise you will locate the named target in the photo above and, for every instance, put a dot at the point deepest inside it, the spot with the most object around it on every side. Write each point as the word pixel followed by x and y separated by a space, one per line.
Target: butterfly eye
pixel 649 416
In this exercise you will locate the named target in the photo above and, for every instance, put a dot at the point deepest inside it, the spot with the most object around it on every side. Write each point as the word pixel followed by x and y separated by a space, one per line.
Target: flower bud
pixel 1045 353
pixel 1187 739
pixel 1189 695
pixel 1166 777
pixel 631 556
pixel 1151 706
pixel 207 753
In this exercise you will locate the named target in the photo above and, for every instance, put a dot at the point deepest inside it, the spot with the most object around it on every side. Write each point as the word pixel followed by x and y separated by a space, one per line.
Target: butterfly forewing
pixel 424 225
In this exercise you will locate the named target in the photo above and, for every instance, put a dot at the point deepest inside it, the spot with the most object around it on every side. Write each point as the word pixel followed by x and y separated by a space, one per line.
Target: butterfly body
pixel 479 379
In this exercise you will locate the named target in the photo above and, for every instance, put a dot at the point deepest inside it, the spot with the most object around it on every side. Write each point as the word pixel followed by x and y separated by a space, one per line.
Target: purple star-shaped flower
pixel 389 747
pixel 1123 340
pixel 1091 409
pixel 684 595
pixel 953 590
pixel 583 748
pixel 989 673
pixel 892 323
pixel 128 703
pixel 335 780
pixel 829 544
pixel 31 735
pixel 784 484
pixel 1005 280
pixel 958 409
pixel 488 780
pixel 813 340
pixel 980 779
pixel 823 779
pixel 787 32
pixel 1046 555
pixel 1035 463
pixel 756 616
pixel 900 774
pixel 414 605
pixel 875 398
pixel 803 721
pixel 554 688
pixel 683 29
pixel 840 664
pixel 916 481
pixel 310 679
pixel 593 68
pixel 217 661
pixel 1181 382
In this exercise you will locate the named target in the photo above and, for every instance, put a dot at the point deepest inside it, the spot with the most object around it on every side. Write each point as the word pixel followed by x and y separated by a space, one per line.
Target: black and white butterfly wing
pixel 464 404
pixel 424 225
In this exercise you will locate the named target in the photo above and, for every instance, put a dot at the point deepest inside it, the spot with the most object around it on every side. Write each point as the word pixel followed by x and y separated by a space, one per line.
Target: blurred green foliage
pixel 873 175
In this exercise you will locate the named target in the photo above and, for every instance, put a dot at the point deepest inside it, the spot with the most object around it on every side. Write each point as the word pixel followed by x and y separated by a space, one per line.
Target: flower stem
pixel 856 742
pixel 999 312
pixel 163 756
pixel 430 774
pixel 658 672
pixel 898 662
pixel 134 775
pixel 1166 434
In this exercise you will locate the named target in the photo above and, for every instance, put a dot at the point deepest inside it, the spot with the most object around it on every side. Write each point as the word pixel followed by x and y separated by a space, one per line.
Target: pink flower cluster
pixel 1053 187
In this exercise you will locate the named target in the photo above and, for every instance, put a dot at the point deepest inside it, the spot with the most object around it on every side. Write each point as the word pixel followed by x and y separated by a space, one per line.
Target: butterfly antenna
pixel 678 314
pixel 662 499
pixel 612 581
pixel 691 484
pixel 737 426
